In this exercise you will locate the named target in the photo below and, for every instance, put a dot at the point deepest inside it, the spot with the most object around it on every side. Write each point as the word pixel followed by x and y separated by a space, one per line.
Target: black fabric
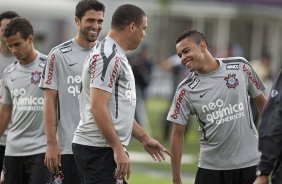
pixel 96 164
pixel 69 171
pixel 270 134
pixel 26 170
pixel 2 153
pixel 235 176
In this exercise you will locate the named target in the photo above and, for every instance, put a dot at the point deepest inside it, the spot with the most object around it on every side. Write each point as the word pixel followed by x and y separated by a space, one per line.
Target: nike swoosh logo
pixel 203 94
pixel 72 64
pixel 13 79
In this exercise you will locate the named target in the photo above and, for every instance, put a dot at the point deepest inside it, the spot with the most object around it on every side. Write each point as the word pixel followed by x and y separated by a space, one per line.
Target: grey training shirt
pixel 26 134
pixel 63 73
pixel 228 136
pixel 4 62
pixel 107 69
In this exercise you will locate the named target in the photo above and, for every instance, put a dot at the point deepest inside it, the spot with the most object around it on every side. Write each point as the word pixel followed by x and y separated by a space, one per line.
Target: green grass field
pixel 160 173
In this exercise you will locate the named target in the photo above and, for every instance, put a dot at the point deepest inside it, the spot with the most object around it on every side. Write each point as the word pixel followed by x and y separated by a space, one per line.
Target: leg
pixel 70 171
pixel 96 164
pixel 205 176
pixel 14 170
pixel 36 170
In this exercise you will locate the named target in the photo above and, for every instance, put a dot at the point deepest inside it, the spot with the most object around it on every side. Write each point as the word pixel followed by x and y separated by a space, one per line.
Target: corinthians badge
pixel 35 77
pixel 231 81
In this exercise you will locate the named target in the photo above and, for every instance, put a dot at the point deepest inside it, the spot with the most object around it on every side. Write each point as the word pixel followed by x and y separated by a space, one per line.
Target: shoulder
pixel 192 80
pixel 10 68
pixel 107 48
pixel 236 63
pixel 42 59
pixel 63 48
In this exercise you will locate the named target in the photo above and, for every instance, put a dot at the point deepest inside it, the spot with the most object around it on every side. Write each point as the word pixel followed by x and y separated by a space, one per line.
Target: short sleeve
pixel 179 111
pixel 49 78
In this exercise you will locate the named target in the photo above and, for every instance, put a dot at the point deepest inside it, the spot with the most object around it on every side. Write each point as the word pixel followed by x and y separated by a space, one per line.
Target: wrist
pixel 262 173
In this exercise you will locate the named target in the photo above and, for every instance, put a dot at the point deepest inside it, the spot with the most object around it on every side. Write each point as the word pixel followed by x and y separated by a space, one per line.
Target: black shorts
pixel 2 153
pixel 96 164
pixel 68 170
pixel 26 170
pixel 237 176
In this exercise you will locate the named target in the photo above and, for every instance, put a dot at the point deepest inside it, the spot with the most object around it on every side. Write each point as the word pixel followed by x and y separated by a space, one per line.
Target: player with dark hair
pixel 62 84
pixel 107 104
pixel 23 105
pixel 217 91
pixel 5 59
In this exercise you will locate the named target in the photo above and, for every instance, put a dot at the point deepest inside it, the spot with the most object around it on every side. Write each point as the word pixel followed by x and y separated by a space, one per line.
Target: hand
pixel 155 149
pixel 53 158
pixel 123 164
pixel 261 180
pixel 178 181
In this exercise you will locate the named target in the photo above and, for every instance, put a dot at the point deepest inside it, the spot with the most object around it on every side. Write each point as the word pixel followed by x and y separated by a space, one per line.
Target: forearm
pixel 5 114
pixel 260 102
pixel 138 133
pixel 49 115
pixel 177 139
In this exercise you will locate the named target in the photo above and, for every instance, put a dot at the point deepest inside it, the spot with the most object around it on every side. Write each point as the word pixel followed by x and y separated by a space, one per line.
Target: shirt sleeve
pixel 255 85
pixel 104 72
pixel 6 94
pixel 270 129
pixel 179 110
pixel 49 78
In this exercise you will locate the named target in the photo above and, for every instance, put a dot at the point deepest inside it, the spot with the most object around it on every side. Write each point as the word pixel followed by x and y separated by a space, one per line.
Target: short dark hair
pixel 85 5
pixel 194 34
pixel 8 15
pixel 19 24
pixel 125 15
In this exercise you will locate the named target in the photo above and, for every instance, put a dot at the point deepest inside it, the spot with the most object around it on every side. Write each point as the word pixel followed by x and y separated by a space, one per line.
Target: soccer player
pixel 62 84
pixel 5 59
pixel 216 91
pixel 23 105
pixel 107 104
pixel 270 137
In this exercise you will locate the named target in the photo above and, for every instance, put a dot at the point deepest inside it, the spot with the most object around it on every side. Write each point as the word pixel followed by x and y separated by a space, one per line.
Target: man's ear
pixel 76 20
pixel 30 38
pixel 132 26
pixel 203 45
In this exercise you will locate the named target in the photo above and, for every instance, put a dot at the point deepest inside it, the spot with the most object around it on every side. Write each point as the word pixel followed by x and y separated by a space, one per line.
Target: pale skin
pixel 195 57
pixel 89 28
pixel 128 39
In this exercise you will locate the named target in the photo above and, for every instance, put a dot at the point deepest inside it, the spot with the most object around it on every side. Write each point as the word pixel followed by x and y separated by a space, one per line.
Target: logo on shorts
pixel 58 178
pixel 35 77
pixel 119 181
pixel 231 81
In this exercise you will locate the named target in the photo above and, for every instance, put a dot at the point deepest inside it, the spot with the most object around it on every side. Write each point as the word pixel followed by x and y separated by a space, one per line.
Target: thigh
pixel 69 170
pixel 38 173
pixel 13 170
pixel 248 175
pixel 205 176
pixel 96 164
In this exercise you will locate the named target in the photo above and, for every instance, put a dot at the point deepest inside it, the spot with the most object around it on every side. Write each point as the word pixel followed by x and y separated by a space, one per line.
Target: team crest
pixel 231 81
pixel 35 77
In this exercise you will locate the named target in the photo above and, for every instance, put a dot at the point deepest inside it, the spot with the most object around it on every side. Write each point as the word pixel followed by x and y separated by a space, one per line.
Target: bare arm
pixel 5 114
pixel 152 146
pixel 99 108
pixel 260 102
pixel 53 155
pixel 177 139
